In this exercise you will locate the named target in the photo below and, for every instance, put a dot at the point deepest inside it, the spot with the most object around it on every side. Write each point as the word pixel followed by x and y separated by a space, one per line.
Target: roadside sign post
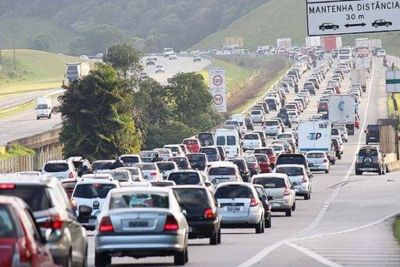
pixel 334 17
pixel 217 88
pixel 393 81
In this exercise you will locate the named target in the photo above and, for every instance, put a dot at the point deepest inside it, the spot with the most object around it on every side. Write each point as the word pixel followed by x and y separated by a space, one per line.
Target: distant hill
pixel 90 26
pixel 278 19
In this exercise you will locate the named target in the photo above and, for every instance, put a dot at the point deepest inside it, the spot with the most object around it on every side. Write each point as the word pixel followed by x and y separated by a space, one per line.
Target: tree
pixel 97 118
pixel 189 98
pixel 123 57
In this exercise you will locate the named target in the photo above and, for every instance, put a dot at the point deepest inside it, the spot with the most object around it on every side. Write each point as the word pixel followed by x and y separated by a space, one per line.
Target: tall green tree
pixel 124 58
pixel 97 118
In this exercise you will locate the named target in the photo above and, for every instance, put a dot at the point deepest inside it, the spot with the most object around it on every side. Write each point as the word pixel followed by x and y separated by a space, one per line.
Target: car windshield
pixel 270 182
pixel 233 191
pixel 290 171
pixel 261 158
pixel 192 198
pixel 42 106
pixel 56 167
pixel 125 200
pixel 94 190
pixel 181 162
pixel 221 171
pixel 35 196
pixel 181 178
pixel 7 229
pixel 368 152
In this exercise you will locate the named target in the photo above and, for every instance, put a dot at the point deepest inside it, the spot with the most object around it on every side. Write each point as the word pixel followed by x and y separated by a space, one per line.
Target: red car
pixel 269 152
pixel 192 144
pixel 263 162
pixel 20 239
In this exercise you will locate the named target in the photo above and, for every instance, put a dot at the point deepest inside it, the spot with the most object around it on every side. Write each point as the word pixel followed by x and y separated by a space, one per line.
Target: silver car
pixel 279 189
pixel 141 222
pixel 239 206
pixel 298 177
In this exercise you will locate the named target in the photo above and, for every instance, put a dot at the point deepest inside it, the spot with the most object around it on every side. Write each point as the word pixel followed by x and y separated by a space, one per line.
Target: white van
pixel 43 108
pixel 230 140
pixel 242 122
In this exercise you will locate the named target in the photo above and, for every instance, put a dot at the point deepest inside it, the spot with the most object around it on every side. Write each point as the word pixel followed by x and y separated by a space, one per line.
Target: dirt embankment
pixel 256 84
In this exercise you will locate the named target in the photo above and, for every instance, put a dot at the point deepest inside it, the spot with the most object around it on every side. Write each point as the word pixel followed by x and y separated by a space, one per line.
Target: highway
pixel 347 222
pixel 25 124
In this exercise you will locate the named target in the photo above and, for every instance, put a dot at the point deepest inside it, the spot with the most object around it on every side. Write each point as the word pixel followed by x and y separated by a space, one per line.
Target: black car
pixel 243 169
pixel 285 117
pixel 336 148
pixel 292 159
pixel 328 26
pixel 252 164
pixel 182 162
pixel 212 153
pixel 381 22
pixel 249 124
pixel 222 152
pixel 201 212
pixel 206 138
pixel 372 134
pixel 198 161
pixel 263 196
pixel 271 103
pixel 370 159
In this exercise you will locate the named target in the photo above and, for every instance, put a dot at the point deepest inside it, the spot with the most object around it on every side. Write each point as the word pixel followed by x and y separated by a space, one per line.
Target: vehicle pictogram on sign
pixel 218 100
pixel 218 80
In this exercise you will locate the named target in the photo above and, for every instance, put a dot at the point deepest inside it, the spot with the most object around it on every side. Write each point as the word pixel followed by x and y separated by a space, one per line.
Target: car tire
pixel 38 118
pixel 68 261
pixel 101 259
pixel 358 172
pixel 180 258
pixel 380 171
pixel 322 28
pixel 260 227
pixel 288 213
pixel 387 24
pixel 307 196
pixel 85 262
pixel 326 171
pixel 214 239
pixel 268 223
pixel 219 235
pixel 49 117
pixel 294 206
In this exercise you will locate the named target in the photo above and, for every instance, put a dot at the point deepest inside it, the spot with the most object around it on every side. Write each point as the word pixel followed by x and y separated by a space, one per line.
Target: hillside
pixel 277 19
pixel 88 27
pixel 34 70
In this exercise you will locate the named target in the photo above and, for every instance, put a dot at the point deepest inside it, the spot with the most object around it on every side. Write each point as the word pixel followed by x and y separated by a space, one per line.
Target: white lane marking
pixel 264 252
pixel 351 229
pixel 260 255
pixel 313 255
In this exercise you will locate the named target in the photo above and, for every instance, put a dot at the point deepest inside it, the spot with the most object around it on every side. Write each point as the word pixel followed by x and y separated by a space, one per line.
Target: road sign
pixel 392 81
pixel 330 17
pixel 217 88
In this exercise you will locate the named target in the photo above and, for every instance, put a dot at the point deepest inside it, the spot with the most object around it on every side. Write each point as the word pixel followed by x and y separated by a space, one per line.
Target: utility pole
pixel 14 50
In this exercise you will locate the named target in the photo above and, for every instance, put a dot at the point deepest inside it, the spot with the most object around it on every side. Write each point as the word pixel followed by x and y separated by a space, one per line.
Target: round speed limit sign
pixel 218 80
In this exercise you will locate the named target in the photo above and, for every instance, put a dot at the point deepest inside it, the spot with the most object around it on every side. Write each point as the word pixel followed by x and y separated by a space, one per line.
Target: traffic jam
pixel 254 166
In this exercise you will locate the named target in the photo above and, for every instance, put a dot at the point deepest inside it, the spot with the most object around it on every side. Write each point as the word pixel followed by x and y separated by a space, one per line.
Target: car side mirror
pixel 184 212
pixel 292 187
pixel 208 184
pixel 263 197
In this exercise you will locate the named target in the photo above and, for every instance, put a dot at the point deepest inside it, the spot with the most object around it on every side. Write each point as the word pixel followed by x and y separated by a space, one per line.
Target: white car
pixel 251 141
pixel 166 167
pixel 136 173
pixel 272 127
pixel 150 172
pixel 343 131
pixel 176 150
pixel 124 177
pixel 257 116
pixel 129 159
pixel 317 161
pixel 381 53
pixel 91 193
pixel 62 169
pixel 298 177
pixel 239 206
pixel 159 69
pixel 173 57
pixel 223 171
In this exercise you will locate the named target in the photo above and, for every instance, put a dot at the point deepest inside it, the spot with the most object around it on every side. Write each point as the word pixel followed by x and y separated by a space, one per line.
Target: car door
pixel 262 195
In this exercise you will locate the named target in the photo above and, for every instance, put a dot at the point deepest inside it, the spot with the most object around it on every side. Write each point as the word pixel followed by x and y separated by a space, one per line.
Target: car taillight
pixel 153 173
pixel 209 214
pixel 7 186
pixel 286 192
pixel 106 225
pixel 54 222
pixel 71 175
pixel 254 202
pixel 171 224
pixel 325 160
pixel 304 179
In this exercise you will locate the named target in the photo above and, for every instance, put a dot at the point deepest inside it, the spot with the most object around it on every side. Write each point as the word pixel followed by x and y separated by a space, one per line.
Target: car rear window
pixel 221 171
pixel 271 123
pixel 270 182
pixel 261 158
pixel 69 187
pixel 315 155
pixel 291 159
pixel 230 140
pixel 267 151
pixel 240 163
pixel 103 165
pixel 139 200
pixel 166 166
pixel 56 167
pixel 367 152
pixel 7 229
pixel 174 149
pixel 233 191
pixel 121 176
pixel 34 195
pixel 130 159
pixel 96 190
pixel 290 171
pixel 373 128
pixel 146 167
pixel 251 137
pixel 196 157
pixel 190 142
pixel 209 151
pixel 181 178
pixel 334 131
pixel 192 198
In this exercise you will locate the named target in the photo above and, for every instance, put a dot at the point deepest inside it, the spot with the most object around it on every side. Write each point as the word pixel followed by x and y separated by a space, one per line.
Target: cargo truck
pixel 313 41
pixel 342 110
pixel 330 43
pixel 314 135
pixel 284 43
pixel 76 71
pixel 359 76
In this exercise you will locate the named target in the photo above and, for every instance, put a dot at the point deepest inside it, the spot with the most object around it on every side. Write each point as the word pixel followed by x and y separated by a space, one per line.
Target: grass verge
pixel 391 105
pixel 16 151
pixel 34 70
pixel 17 109
pixel 396 228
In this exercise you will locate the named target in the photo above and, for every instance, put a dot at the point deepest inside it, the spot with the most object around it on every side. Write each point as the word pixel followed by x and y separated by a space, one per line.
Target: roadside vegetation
pixel 108 113
pixel 15 151
pixel 396 228
pixel 35 70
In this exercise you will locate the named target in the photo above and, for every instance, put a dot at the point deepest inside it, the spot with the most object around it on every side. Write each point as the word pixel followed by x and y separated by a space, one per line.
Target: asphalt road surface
pixel 25 124
pixel 347 222
pixel 19 98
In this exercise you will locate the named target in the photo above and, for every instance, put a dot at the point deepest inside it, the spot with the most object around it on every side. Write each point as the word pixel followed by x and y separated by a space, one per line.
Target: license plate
pixel 233 209
pixel 92 221
pixel 137 224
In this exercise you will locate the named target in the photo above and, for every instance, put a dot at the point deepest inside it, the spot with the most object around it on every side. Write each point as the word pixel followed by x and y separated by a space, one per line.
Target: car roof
pixel 270 175
pixel 149 189
pixel 56 161
pixel 96 181
pixel 27 179
pixel 290 165
pixel 316 151
pixel 234 183
pixel 222 164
